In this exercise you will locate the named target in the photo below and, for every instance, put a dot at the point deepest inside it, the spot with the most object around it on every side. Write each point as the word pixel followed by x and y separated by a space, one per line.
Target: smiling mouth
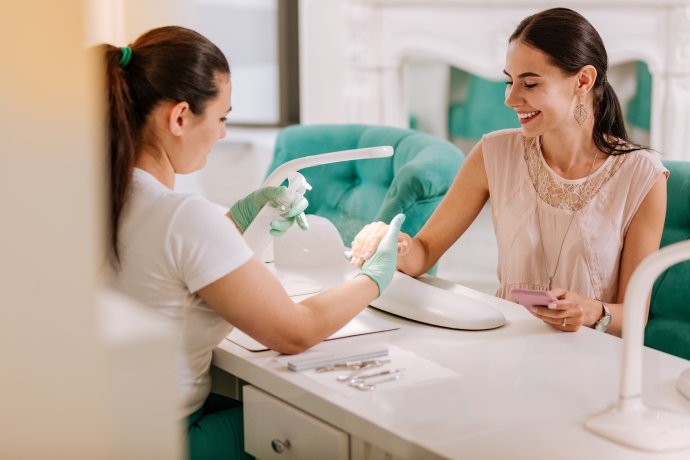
pixel 528 116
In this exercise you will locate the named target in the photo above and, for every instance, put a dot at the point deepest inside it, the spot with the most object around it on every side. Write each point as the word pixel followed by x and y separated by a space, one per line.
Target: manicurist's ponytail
pixel 165 64
pixel 121 139
pixel 571 42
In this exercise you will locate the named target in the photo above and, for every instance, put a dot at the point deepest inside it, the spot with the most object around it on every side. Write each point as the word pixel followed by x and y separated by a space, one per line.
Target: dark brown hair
pixel 571 43
pixel 167 64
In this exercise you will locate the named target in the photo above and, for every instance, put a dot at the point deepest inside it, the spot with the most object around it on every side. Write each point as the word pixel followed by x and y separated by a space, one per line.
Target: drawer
pixel 269 423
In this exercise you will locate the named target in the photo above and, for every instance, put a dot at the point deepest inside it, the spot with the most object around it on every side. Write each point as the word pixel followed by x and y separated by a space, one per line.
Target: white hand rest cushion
pixel 418 301
pixel 683 384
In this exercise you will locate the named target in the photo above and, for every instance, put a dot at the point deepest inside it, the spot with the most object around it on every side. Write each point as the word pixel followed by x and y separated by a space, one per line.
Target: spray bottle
pixel 257 235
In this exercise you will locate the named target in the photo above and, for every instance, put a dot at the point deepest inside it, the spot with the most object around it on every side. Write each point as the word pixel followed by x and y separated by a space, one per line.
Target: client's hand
pixel 569 312
pixel 368 239
pixel 382 264
pixel 245 210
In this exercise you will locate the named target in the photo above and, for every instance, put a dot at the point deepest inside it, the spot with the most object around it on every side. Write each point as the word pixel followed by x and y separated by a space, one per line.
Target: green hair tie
pixel 126 56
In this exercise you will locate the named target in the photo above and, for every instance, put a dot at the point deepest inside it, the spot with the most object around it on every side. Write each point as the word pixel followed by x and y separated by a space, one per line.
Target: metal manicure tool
pixel 377 374
pixel 354 365
pixel 364 386
pixel 372 364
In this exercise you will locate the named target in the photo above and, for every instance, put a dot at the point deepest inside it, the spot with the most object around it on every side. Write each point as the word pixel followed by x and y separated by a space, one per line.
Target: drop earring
pixel 580 112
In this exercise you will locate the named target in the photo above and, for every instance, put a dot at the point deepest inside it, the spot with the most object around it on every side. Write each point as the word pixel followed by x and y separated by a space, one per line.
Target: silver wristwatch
pixel 605 321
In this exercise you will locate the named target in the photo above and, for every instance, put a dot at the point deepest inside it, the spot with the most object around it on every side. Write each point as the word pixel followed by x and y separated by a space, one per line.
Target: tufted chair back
pixel 668 328
pixel 352 194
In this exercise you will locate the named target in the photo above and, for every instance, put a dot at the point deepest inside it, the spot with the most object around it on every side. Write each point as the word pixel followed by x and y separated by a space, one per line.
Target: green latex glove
pixel 245 210
pixel 382 265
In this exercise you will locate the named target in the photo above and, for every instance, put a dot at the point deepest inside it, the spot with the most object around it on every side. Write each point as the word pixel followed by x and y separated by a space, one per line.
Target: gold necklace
pixel 579 206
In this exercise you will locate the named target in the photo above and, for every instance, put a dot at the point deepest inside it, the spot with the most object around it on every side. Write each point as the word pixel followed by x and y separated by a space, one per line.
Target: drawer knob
pixel 280 446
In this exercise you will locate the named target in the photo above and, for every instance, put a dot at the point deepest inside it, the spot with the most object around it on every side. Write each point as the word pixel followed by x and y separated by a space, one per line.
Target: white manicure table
pixel 523 391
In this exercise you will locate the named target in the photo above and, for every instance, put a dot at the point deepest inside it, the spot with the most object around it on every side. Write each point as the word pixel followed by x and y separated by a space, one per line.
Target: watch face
pixel 603 323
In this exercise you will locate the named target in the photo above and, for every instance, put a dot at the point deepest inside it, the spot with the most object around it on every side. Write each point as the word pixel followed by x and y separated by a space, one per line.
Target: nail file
pixel 326 358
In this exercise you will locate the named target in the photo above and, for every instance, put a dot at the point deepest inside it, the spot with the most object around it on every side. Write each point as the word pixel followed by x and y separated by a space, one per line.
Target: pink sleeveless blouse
pixel 531 207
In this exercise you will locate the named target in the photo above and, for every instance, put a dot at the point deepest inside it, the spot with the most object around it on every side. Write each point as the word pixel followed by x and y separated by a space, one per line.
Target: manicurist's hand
pixel 573 309
pixel 368 240
pixel 245 210
pixel 381 265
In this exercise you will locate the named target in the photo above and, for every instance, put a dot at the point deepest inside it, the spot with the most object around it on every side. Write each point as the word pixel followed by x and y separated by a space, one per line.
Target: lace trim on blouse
pixel 562 195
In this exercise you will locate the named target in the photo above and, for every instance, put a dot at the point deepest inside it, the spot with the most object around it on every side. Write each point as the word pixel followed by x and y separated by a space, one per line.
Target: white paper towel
pixel 417 371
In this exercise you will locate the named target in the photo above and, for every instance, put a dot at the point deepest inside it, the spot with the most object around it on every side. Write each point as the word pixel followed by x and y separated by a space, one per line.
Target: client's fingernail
pixel 533 309
pixel 366 254
pixel 552 305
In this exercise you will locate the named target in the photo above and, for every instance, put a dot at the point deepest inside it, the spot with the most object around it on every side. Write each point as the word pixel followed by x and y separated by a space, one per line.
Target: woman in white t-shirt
pixel 168 95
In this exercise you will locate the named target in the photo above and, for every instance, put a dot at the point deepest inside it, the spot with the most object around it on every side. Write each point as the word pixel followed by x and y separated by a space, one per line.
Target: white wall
pixel 323 50
pixel 428 86
pixel 322 61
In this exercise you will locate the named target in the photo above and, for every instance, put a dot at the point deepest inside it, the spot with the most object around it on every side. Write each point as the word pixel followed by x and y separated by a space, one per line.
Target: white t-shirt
pixel 171 245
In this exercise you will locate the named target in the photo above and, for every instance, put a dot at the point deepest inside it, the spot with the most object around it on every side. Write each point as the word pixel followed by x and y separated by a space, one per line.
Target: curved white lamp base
pixel 630 422
pixel 633 424
pixel 683 384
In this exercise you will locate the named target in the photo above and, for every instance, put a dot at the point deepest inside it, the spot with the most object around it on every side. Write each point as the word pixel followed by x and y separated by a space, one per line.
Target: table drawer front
pixel 269 424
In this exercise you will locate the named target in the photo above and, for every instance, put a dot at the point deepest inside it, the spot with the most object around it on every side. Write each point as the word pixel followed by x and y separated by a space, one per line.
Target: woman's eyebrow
pixel 524 75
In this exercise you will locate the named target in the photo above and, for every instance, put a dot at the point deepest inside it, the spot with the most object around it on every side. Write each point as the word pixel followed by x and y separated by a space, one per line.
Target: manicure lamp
pixel 629 421
pixel 406 296
pixel 294 283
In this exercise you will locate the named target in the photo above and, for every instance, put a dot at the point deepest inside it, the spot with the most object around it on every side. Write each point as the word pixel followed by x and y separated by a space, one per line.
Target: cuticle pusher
pixel 378 374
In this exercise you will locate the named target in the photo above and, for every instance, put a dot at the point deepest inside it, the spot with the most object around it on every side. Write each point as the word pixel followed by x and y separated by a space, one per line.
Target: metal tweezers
pixel 354 365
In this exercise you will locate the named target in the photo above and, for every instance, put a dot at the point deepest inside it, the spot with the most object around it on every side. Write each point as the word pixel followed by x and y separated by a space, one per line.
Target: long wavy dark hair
pixel 571 43
pixel 167 64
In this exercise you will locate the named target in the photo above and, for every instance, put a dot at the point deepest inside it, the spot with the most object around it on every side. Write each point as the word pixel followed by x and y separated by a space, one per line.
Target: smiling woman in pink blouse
pixel 576 205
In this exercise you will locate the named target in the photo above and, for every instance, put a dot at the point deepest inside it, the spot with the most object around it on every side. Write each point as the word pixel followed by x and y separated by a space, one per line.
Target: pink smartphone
pixel 532 297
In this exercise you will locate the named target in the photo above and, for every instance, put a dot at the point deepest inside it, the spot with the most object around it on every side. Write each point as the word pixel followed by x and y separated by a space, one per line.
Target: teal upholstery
pixel 639 110
pixel 668 328
pixel 482 111
pixel 354 193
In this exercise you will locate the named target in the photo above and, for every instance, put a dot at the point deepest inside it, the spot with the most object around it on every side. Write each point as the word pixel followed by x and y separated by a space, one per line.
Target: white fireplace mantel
pixel 381 35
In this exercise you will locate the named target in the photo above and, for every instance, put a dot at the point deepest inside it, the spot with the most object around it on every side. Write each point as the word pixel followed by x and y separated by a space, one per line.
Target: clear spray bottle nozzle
pixel 297 186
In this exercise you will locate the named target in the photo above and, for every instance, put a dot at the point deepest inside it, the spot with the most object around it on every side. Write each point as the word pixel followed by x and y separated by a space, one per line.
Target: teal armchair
pixel 668 327
pixel 352 194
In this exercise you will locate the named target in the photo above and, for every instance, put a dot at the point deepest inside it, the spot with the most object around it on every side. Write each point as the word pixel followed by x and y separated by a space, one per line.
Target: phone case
pixel 532 297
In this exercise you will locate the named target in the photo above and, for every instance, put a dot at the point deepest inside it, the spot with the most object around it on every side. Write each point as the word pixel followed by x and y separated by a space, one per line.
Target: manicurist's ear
pixel 586 79
pixel 178 118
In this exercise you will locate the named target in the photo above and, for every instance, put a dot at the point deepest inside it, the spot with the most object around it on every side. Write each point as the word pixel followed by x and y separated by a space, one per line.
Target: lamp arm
pixel 635 307
pixel 281 172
